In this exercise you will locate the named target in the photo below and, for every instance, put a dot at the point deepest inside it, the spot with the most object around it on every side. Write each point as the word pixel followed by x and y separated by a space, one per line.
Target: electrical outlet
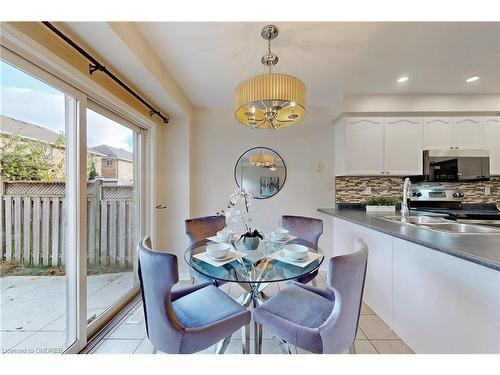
pixel 487 190
pixel 320 167
pixel 368 190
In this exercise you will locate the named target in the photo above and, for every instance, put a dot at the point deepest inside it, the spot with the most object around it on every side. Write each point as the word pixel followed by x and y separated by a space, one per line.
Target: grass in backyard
pixel 16 269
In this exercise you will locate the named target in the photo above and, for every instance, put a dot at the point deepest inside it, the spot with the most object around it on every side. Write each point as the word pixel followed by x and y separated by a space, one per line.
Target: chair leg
pixel 221 347
pixel 245 339
pixel 352 349
pixel 155 351
pixel 257 338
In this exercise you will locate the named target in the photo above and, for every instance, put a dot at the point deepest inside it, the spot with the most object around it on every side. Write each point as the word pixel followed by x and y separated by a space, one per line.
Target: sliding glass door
pixel 37 251
pixel 113 149
pixel 71 211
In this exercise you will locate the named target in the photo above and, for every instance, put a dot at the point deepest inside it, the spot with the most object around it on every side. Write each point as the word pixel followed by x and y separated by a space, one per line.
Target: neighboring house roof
pixel 113 152
pixel 8 125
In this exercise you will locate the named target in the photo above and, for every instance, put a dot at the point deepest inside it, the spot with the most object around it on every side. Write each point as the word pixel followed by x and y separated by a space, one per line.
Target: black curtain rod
pixel 95 65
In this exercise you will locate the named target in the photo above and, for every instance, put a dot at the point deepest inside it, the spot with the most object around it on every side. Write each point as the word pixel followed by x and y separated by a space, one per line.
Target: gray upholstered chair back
pixel 307 228
pixel 158 273
pixel 200 228
pixel 346 273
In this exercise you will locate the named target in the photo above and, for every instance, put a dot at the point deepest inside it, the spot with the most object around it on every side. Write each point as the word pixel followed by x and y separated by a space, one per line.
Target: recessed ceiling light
pixel 472 79
pixel 402 79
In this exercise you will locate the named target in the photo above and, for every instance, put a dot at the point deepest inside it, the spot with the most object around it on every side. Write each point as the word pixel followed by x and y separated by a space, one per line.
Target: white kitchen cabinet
pixel 376 146
pixel 364 145
pixel 437 133
pixel 467 132
pixel 378 284
pixel 452 132
pixel 403 146
pixel 442 304
pixel 436 303
pixel 491 141
pixel 339 147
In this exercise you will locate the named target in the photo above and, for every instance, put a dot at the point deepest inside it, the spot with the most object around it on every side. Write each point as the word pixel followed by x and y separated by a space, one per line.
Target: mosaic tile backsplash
pixel 352 189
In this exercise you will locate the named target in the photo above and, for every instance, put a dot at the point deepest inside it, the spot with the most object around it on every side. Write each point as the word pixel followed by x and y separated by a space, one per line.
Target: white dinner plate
pixel 288 238
pixel 225 257
pixel 296 260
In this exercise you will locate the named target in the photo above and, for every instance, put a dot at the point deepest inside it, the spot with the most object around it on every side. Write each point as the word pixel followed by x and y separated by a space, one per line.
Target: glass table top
pixel 256 266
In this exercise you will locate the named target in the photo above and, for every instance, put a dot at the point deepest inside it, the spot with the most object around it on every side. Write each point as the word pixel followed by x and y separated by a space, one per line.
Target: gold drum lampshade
pixel 270 100
pixel 262 160
pixel 257 97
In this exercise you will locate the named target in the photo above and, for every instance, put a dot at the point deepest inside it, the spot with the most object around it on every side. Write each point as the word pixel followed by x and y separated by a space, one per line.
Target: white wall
pixel 422 103
pixel 172 186
pixel 217 142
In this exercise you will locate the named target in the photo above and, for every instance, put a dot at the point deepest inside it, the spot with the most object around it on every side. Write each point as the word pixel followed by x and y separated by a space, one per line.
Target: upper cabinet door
pixel 364 143
pixel 491 141
pixel 403 146
pixel 467 132
pixel 437 133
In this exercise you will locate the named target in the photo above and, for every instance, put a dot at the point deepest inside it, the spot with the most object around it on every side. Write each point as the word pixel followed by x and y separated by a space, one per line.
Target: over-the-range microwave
pixel 456 165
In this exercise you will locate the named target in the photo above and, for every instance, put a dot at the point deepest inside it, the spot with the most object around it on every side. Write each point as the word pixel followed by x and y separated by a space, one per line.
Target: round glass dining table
pixel 255 269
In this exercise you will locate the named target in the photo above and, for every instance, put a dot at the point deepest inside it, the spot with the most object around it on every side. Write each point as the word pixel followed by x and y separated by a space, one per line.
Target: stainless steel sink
pixel 418 220
pixel 461 228
pixel 442 225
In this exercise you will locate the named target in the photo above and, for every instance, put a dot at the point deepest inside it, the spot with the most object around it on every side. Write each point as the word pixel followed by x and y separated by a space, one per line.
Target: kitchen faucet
pixel 405 210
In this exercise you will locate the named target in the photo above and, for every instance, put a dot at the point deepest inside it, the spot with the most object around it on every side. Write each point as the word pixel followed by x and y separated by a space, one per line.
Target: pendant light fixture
pixel 262 160
pixel 270 100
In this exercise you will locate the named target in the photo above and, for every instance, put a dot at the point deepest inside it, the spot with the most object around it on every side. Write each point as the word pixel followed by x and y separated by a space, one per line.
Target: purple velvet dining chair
pixel 319 320
pixel 199 229
pixel 185 320
pixel 306 228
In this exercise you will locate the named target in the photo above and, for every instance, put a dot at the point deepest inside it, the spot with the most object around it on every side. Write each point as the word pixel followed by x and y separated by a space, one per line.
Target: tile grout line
pixel 138 345
pixel 40 330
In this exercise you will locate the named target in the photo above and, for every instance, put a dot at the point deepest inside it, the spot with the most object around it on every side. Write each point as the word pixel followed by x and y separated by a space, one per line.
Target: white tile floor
pixel 374 337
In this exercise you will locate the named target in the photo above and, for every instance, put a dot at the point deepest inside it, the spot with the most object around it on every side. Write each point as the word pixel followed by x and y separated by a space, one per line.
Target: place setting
pixel 295 254
pixel 225 235
pixel 219 254
pixel 281 236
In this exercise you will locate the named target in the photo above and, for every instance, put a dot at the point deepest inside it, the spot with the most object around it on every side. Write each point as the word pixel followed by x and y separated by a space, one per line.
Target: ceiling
pixel 208 60
pixel 115 54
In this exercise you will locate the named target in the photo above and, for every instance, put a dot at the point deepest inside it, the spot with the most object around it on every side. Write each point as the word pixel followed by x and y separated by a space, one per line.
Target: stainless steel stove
pixel 450 202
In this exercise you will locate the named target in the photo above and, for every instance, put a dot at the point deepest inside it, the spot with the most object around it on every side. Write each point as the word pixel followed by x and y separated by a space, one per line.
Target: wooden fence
pixel 33 222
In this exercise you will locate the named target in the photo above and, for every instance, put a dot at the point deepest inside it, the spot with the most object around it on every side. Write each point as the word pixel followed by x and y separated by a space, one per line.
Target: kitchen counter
pixel 480 249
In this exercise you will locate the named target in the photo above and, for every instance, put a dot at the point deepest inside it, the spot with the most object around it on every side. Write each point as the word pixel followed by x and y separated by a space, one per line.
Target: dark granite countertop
pixel 480 249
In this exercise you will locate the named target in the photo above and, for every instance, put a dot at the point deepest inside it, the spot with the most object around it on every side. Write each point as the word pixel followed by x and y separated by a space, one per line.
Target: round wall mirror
pixel 260 171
